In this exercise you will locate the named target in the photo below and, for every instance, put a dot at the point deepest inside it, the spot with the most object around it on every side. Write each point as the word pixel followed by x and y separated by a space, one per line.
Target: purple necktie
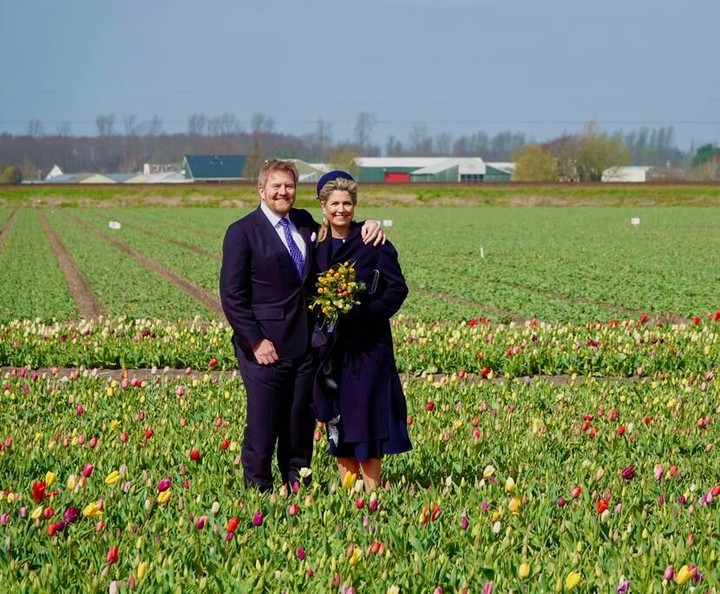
pixel 293 248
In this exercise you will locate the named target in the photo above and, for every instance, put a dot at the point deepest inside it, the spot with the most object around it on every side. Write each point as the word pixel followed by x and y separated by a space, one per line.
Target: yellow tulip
pixel 114 424
pixel 489 471
pixel 684 574
pixel 50 478
pixel 71 482
pixel 37 512
pixel 510 485
pixel 514 505
pixel 10 497
pixel 572 580
pixel 348 481
pixel 164 496
pixel 355 557
pixel 142 569
pixel 524 570
pixel 92 510
pixel 112 478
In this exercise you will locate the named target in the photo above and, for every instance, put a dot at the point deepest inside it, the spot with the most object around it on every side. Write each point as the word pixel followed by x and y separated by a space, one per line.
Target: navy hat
pixel 331 175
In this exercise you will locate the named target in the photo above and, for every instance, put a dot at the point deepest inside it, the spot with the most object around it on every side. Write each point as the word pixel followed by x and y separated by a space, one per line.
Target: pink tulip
pixel 79 409
pixel 164 484
pixel 669 573
pixel 300 553
pixel 658 472
pixel 258 518
pixel 88 470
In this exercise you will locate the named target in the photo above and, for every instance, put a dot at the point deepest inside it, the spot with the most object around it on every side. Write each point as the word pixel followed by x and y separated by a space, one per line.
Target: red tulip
pixel 232 524
pixel 576 492
pixel 38 491
pixel 225 444
pixel 360 503
pixel 293 510
pixel 112 555
pixel 213 363
pixel 195 455
pixel 602 506
pixel 430 406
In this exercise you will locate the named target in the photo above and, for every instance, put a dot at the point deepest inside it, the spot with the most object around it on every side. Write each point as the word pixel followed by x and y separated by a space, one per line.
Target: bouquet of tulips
pixel 337 290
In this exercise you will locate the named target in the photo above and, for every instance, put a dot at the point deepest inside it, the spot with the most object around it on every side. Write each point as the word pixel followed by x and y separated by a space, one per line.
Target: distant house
pixel 420 169
pixel 214 168
pixel 625 174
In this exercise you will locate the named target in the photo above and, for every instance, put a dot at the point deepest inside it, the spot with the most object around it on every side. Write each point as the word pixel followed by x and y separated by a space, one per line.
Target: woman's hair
pixel 272 165
pixel 339 183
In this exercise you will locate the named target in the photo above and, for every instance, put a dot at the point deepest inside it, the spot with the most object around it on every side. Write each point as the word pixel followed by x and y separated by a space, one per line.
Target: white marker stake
pixel 482 252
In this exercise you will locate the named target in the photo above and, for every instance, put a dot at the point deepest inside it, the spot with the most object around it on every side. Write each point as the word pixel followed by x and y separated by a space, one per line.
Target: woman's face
pixel 339 209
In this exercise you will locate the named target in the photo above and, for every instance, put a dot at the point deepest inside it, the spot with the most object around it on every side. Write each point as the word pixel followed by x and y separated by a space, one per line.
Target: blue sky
pixel 456 66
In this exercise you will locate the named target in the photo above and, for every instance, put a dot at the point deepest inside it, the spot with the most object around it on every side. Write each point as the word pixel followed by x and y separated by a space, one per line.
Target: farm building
pixel 310 172
pixel 629 174
pixel 420 169
pixel 214 168
pixel 499 172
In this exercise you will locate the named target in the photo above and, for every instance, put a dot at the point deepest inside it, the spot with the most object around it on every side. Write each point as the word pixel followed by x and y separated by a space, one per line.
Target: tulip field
pixel 561 371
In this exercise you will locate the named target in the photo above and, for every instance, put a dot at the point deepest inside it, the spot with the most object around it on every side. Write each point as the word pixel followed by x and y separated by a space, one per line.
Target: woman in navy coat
pixel 357 377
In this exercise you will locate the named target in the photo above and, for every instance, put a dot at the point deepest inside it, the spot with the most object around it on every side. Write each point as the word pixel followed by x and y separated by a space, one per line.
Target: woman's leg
pixel 346 465
pixel 371 473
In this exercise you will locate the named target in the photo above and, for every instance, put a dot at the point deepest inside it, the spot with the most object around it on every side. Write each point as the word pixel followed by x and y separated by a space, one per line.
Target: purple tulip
pixel 561 502
pixel 623 587
pixel 71 515
pixel 258 518
pixel 464 523
pixel 628 473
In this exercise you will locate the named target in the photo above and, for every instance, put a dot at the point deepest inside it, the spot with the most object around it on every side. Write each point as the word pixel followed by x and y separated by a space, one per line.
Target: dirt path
pixel 168 375
pixel 500 313
pixel 206 298
pixel 86 302
pixel 7 226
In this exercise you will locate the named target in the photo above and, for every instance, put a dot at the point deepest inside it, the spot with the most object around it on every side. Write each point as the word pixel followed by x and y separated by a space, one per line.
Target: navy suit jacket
pixel 260 291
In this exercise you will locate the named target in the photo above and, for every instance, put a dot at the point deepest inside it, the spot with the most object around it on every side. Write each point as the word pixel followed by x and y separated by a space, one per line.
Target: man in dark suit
pixel 265 280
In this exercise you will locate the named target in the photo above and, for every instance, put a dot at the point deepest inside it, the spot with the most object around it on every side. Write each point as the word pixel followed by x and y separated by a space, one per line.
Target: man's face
pixel 279 192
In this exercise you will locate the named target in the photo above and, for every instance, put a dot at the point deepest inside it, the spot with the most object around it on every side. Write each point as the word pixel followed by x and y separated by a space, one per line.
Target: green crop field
pixel 560 366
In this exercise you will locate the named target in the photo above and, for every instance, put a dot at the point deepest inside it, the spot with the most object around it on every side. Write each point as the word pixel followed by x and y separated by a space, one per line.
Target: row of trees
pixel 125 144
pixel 585 156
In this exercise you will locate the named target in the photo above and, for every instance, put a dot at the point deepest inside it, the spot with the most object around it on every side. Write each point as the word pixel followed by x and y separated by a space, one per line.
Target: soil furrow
pixel 206 298
pixel 86 302
pixel 6 227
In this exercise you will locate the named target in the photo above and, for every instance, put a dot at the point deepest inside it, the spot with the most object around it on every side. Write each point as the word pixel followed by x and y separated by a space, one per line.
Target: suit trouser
pixel 279 411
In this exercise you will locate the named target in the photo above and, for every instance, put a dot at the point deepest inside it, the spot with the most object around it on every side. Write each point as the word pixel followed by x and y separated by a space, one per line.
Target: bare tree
pixel 63 128
pixel 260 123
pixel 34 128
pixel 421 143
pixel 443 141
pixel 197 123
pixel 155 126
pixel 105 124
pixel 393 147
pixel 323 137
pixel 363 129
pixel 131 124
